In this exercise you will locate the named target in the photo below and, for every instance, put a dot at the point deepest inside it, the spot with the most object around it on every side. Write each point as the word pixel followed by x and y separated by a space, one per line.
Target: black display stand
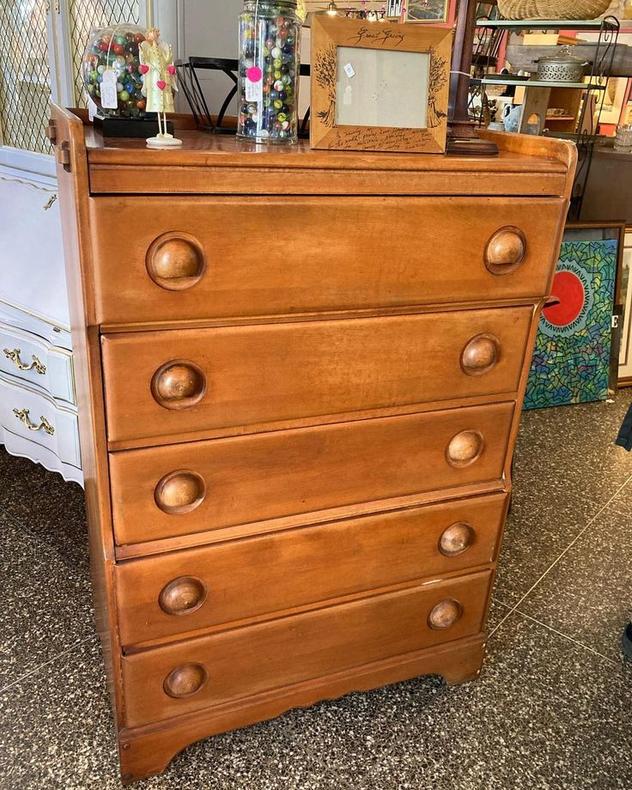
pixel 144 127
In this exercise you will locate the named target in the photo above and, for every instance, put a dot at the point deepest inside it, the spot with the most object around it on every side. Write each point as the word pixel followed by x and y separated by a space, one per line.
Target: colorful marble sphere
pixel 269 38
pixel 115 48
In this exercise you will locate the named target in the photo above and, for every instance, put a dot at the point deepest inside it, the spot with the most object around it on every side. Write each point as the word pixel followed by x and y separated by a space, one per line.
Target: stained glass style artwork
pixel 571 361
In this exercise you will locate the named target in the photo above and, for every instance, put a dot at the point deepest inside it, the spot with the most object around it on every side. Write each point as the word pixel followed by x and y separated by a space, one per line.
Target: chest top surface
pixel 221 164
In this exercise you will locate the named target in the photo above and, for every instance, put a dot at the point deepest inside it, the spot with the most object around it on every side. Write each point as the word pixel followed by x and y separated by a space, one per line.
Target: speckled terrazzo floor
pixel 551 710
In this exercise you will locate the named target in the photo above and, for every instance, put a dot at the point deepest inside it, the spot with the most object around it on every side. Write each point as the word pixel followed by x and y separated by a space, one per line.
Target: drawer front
pixel 170 383
pixel 225 257
pixel 31 358
pixel 212 670
pixel 31 415
pixel 200 588
pixel 177 490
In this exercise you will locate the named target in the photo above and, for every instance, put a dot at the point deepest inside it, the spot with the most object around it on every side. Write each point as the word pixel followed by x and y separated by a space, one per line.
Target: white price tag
pixel 92 108
pixel 109 96
pixel 349 70
pixel 254 91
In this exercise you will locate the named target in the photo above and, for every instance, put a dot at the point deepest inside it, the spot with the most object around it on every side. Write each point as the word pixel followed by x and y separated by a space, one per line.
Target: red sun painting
pixel 569 289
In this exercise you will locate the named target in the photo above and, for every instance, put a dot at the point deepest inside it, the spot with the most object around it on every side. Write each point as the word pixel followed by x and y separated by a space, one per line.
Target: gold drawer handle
pixel 23 417
pixel 14 355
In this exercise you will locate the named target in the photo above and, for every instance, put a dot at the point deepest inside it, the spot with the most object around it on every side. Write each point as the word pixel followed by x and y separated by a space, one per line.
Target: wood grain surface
pixel 257 375
pixel 252 660
pixel 297 456
pixel 245 579
pixel 284 473
pixel 337 254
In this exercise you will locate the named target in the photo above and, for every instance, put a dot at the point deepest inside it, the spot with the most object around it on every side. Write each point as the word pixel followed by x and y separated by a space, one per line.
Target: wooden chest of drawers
pixel 300 380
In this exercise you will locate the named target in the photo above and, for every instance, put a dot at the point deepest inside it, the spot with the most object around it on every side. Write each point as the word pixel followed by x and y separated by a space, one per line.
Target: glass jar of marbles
pixel 269 65
pixel 113 51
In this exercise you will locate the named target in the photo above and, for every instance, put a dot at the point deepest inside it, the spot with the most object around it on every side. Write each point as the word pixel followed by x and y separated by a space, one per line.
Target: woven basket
pixel 553 9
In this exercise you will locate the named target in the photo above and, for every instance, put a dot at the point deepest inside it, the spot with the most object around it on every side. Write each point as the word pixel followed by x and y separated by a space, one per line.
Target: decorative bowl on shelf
pixel 115 49
pixel 561 66
pixel 553 9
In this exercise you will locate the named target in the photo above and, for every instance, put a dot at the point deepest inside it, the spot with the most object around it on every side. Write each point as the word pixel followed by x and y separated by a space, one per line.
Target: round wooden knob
pixel 180 492
pixel 505 250
pixel 465 448
pixel 176 261
pixel 445 614
pixel 456 539
pixel 480 355
pixel 186 680
pixel 178 385
pixel 181 596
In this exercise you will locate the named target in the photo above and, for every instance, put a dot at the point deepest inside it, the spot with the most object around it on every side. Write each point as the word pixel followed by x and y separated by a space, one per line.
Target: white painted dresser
pixel 38 409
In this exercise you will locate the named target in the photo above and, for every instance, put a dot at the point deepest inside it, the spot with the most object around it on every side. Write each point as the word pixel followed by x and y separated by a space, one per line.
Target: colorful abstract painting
pixel 571 361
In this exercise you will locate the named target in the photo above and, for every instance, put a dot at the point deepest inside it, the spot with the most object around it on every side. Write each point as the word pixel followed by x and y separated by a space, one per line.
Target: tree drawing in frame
pixel 360 119
pixel 325 75
pixel 436 81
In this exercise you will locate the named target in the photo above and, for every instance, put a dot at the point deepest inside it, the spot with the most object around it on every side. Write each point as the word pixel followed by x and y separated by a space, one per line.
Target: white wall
pixel 209 28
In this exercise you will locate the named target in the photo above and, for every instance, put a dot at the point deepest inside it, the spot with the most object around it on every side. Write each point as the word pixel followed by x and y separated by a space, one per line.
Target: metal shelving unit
pixel 485 57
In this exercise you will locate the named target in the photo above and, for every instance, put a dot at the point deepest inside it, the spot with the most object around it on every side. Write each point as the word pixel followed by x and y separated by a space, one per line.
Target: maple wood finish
pixel 237 580
pixel 297 467
pixel 200 380
pixel 205 269
pixel 281 474
pixel 277 653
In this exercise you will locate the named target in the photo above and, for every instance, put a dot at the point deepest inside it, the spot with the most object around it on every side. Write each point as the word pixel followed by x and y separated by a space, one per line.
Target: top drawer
pixel 203 258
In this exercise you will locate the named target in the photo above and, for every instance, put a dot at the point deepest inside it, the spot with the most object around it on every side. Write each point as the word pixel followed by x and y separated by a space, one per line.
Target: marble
pixel 46 607
pixel 538 529
pixel 573 448
pixel 46 507
pixel 587 594
pixel 622 502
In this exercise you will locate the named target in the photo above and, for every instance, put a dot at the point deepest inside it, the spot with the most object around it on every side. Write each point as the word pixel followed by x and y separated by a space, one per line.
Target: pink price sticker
pixel 254 74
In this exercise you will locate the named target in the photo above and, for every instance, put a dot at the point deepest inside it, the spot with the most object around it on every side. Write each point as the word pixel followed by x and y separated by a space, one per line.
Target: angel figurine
pixel 156 66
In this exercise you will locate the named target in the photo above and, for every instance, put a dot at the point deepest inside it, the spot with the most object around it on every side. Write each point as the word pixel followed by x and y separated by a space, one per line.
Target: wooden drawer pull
pixel 63 155
pixel 178 385
pixel 465 448
pixel 456 539
pixel 506 250
pixel 51 131
pixel 480 355
pixel 180 492
pixel 23 416
pixel 14 355
pixel 445 614
pixel 181 596
pixel 186 680
pixel 176 261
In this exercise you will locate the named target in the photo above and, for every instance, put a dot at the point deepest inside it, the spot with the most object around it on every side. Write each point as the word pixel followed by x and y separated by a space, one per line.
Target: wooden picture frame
pixel 379 86
pixel 427 12
pixel 625 318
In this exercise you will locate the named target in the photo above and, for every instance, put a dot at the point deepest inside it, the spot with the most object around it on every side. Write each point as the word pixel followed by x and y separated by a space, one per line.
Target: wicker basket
pixel 553 9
